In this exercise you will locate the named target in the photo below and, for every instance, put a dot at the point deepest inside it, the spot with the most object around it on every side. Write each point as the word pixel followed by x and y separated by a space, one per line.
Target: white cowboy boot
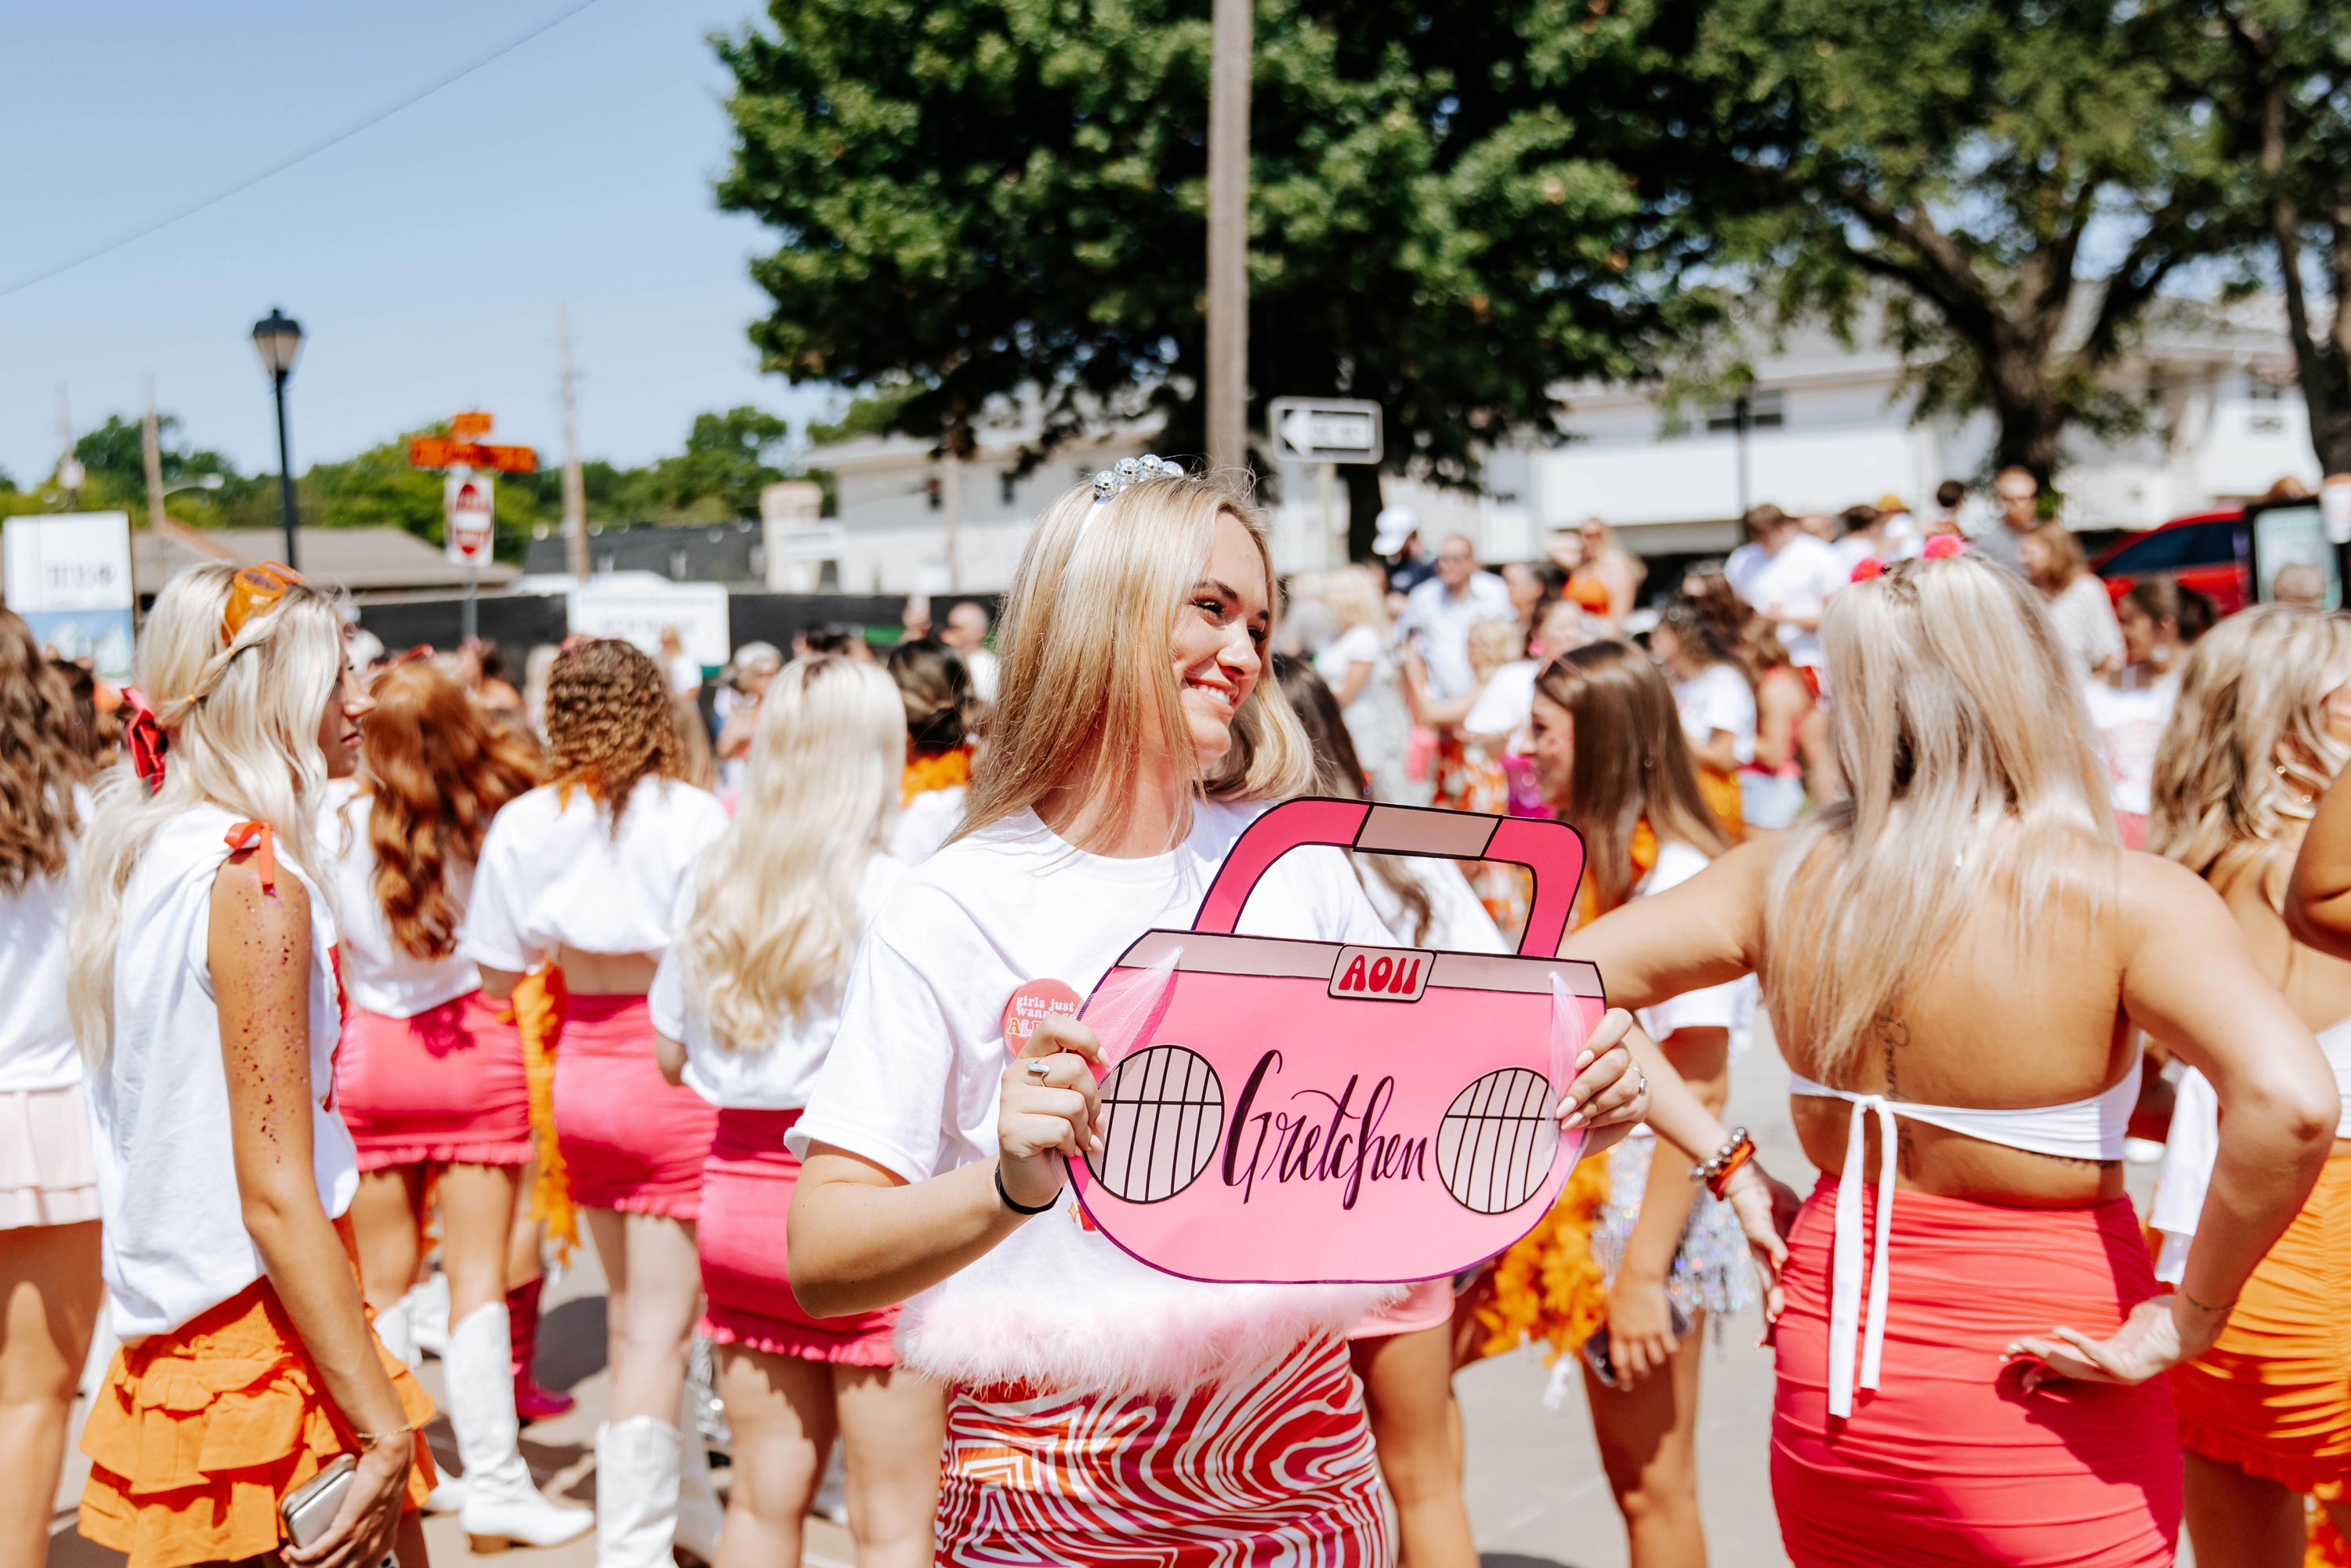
pixel 502 1507
pixel 636 1493
pixel 396 1326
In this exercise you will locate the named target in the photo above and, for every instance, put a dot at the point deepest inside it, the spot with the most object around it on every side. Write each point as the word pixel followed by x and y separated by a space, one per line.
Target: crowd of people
pixel 347 990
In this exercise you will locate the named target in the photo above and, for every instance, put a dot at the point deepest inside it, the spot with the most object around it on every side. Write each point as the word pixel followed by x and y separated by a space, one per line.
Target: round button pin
pixel 1033 1004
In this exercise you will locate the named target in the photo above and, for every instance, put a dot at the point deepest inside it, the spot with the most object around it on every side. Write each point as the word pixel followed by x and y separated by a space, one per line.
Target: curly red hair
pixel 435 770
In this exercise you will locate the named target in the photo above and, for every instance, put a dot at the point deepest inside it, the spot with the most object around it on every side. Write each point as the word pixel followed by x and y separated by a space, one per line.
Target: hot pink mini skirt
pixel 1949 1461
pixel 632 1140
pixel 747 1191
pixel 444 1087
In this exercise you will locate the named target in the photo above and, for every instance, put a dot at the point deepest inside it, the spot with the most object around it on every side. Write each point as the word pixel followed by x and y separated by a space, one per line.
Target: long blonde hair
pixel 1354 598
pixel 243 719
pixel 2247 750
pixel 1632 763
pixel 1084 674
pixel 1966 749
pixel 775 912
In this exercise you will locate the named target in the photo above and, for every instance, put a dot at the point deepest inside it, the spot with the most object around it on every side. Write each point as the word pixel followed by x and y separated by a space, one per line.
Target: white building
pixel 1829 426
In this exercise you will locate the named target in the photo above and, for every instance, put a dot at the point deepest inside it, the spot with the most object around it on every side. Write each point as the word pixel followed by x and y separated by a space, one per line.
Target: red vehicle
pixel 2205 552
pixel 2232 558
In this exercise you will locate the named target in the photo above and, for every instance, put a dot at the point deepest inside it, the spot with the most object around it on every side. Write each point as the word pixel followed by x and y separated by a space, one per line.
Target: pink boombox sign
pixel 1292 1111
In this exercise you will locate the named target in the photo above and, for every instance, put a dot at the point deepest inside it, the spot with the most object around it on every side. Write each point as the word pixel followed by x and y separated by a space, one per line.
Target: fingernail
pixel 1574 1119
pixel 1584 1061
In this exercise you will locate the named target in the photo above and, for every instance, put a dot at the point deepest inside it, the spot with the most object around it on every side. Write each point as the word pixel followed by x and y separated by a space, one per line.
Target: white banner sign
pixel 637 609
pixel 68 576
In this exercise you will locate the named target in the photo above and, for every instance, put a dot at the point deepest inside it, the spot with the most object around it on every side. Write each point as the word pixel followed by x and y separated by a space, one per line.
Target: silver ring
pixel 1038 1067
pixel 1643 1086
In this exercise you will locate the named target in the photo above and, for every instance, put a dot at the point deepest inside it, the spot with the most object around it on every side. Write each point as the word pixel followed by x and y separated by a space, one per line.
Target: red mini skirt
pixel 747 1191
pixel 631 1140
pixel 444 1087
pixel 1948 1462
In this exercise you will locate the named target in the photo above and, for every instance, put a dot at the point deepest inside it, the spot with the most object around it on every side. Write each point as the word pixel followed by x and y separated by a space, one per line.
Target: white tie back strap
pixel 1845 1280
pixel 2091 1129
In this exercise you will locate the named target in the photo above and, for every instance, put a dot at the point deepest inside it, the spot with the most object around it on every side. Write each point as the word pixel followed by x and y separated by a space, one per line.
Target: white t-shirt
pixel 1716 1006
pixel 1355 645
pixel 37 1041
pixel 779 1078
pixel 2083 615
pixel 1797 579
pixel 2128 728
pixel 174 1242
pixel 1443 623
pixel 1458 923
pixel 380 975
pixel 1855 548
pixel 1507 705
pixel 553 874
pixel 685 673
pixel 925 822
pixel 912 1078
pixel 1718 698
pixel 981 662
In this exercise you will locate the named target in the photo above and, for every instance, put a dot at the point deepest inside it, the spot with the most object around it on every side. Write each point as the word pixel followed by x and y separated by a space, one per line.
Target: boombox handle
pixel 1553 852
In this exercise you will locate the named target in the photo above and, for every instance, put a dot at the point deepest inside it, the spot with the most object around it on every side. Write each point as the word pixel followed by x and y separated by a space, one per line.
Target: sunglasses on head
pixel 252 591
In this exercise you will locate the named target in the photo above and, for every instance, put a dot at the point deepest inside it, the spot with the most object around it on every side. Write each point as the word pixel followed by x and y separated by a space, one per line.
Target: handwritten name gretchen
pixel 1344 1145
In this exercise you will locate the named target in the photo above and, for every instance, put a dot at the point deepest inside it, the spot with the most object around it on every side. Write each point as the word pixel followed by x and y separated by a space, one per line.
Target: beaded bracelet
pixel 1717 1171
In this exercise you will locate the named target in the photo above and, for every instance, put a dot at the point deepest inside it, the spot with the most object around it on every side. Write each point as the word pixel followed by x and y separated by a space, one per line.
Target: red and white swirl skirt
pixel 1275 1472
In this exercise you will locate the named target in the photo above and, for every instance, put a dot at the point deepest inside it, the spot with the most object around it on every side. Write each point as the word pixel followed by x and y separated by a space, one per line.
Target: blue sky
pixel 424 256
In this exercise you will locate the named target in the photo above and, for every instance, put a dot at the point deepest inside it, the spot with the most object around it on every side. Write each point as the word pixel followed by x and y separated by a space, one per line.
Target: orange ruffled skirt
pixel 2273 1396
pixel 198 1433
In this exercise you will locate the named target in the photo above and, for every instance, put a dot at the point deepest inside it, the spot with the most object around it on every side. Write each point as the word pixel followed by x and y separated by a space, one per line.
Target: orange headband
pixel 252 591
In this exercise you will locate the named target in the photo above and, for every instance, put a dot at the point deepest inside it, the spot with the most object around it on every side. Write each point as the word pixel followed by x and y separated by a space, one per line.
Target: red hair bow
pixel 1942 546
pixel 1867 568
pixel 146 739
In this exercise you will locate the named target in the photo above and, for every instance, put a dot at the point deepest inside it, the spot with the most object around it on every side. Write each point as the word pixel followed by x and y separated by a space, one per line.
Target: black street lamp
pixel 277 338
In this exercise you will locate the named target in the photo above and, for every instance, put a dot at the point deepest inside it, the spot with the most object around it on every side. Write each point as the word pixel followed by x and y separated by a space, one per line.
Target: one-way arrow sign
pixel 1324 429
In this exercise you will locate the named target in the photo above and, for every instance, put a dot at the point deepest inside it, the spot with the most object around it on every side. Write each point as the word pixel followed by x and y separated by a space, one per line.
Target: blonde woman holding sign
pixel 1100 1408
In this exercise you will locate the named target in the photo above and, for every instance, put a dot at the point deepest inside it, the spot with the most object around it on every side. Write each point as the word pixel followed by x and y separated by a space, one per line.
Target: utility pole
pixel 1228 179
pixel 151 446
pixel 69 472
pixel 575 484
pixel 951 512
pixel 1743 418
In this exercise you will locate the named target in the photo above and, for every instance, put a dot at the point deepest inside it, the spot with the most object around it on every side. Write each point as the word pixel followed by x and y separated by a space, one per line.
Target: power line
pixel 451 78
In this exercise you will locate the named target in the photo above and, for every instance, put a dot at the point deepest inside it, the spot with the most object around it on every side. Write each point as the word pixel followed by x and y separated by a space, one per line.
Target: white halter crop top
pixel 2090 1129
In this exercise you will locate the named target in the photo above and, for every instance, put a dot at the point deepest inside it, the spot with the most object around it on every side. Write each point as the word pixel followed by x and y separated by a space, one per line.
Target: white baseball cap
pixel 1396 525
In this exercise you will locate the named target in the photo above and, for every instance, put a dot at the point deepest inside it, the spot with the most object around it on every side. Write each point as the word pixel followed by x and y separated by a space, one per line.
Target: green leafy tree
pixel 2008 183
pixel 1451 212
pixel 2275 77
pixel 113 460
pixel 728 457
pixel 377 488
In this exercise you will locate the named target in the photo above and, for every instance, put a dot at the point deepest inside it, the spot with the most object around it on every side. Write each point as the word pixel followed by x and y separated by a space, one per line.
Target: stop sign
pixel 467 505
